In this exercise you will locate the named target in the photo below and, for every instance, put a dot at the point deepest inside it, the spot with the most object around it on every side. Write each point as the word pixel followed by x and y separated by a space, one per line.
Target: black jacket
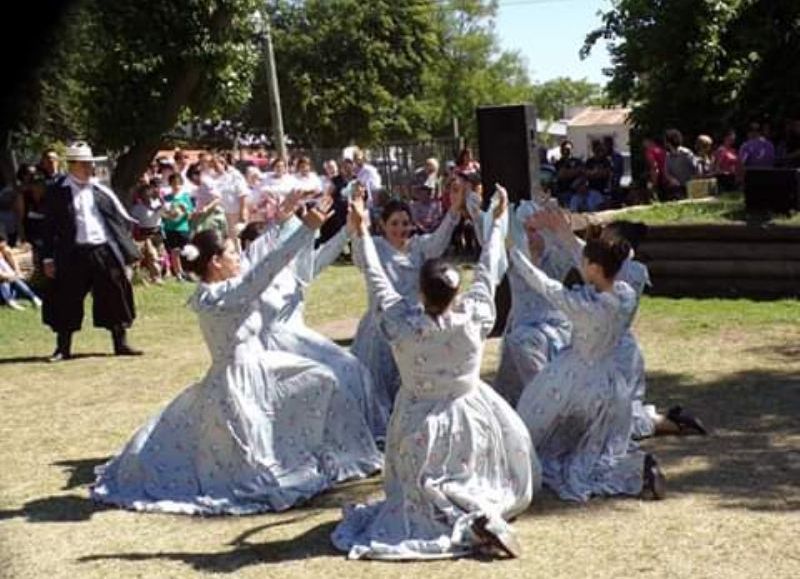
pixel 60 229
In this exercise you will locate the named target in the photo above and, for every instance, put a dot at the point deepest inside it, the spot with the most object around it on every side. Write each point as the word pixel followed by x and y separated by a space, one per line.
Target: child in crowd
pixel 177 229
pixel 146 210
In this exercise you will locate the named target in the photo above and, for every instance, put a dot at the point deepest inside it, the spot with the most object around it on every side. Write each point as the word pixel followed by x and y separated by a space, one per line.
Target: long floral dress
pixel 284 329
pixel 578 408
pixel 402 269
pixel 535 330
pixel 456 450
pixel 261 431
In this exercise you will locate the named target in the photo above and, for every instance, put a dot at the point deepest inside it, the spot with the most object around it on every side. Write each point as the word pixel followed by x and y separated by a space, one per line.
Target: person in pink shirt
pixel 726 164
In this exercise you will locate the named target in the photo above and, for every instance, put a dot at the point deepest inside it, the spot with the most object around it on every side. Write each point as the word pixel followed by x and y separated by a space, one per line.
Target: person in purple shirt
pixel 757 150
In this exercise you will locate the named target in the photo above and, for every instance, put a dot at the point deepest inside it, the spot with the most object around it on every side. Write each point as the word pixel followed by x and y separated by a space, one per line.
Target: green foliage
pixel 554 96
pixel 703 65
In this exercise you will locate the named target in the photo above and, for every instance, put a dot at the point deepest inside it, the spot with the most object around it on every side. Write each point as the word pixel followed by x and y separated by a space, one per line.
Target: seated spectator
pixel 725 164
pixel 12 283
pixel 584 197
pixel 568 169
pixel 757 151
pixel 702 148
pixel 681 166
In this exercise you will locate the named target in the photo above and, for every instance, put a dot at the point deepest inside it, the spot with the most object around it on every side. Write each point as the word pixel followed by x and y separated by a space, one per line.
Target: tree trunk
pixel 132 164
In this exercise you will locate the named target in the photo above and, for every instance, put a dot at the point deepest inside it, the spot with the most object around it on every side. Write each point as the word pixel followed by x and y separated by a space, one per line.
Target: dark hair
pixel 631 231
pixel 435 285
pixel 208 244
pixel 252 232
pixel 394 206
pixel 462 155
pixel 174 177
pixel 194 170
pixel 674 137
pixel 608 251
pixel 277 160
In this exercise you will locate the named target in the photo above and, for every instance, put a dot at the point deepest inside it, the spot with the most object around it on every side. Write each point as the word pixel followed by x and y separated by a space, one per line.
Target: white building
pixel 594 123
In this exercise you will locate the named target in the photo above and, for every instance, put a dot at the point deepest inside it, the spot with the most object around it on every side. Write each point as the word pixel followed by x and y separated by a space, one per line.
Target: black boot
pixel 121 347
pixel 63 347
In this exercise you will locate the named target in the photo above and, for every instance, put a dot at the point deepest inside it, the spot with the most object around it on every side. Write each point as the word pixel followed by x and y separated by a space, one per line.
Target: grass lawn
pixel 725 209
pixel 733 508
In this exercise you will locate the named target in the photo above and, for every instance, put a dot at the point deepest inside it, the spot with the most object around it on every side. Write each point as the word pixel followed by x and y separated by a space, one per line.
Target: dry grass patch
pixel 732 511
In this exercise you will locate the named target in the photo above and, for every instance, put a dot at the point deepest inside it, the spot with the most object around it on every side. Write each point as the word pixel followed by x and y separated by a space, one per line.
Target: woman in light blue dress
pixel 283 325
pixel 262 431
pixel 578 408
pixel 535 330
pixel 459 462
pixel 402 257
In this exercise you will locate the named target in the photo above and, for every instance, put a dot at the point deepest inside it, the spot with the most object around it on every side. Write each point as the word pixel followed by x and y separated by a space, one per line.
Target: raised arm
pixel 436 243
pixel 572 302
pixel 327 253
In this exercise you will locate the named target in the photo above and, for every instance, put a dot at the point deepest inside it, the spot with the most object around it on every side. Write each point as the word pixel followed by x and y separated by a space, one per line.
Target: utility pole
pixel 274 93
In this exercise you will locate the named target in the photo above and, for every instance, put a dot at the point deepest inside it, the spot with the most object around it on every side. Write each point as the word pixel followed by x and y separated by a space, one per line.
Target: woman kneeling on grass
pixel 263 430
pixel 459 462
pixel 578 408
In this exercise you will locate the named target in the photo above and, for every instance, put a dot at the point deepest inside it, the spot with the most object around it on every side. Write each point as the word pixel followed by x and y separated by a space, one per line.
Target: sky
pixel 549 34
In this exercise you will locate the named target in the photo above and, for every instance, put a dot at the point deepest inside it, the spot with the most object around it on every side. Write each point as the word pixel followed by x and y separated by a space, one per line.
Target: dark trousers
pixel 95 269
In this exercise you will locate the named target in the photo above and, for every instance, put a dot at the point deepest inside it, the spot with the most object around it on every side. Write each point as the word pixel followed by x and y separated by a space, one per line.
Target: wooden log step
pixel 777 233
pixel 717 250
pixel 729 269
pixel 725 288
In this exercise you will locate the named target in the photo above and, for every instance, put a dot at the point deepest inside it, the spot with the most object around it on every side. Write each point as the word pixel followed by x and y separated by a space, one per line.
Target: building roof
pixel 596 116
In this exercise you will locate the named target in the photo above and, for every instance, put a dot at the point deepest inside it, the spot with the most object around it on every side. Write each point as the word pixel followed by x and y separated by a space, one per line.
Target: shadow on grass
pixel 55 509
pixel 315 542
pixel 45 359
pixel 81 472
pixel 748 462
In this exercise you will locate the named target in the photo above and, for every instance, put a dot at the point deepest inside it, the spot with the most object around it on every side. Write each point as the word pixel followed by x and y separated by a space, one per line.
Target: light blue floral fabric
pixel 535 330
pixel 283 325
pixel 260 432
pixel 578 408
pixel 455 449
pixel 402 269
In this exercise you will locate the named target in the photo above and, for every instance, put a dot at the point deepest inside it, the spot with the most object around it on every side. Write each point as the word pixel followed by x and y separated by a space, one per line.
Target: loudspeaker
pixel 773 190
pixel 507 150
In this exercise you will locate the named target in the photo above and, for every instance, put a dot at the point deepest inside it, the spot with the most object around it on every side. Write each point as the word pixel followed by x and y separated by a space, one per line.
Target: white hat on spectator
pixel 81 151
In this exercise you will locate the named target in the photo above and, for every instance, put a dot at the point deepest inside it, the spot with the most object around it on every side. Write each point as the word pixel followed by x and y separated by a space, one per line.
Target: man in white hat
pixel 87 245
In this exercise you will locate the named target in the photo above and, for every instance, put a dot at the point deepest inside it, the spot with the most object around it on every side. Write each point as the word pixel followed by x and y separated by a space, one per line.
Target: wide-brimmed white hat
pixel 81 151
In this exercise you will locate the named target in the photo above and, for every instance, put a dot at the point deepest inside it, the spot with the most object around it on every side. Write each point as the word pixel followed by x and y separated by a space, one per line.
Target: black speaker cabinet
pixel 507 149
pixel 772 190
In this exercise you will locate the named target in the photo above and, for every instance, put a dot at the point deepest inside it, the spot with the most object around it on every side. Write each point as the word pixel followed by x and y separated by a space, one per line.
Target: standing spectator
pixel 790 155
pixel 50 165
pixel 334 183
pixel 599 170
pixel 12 283
pixel 465 162
pixel 87 246
pixel 305 179
pixel 234 192
pixel 426 208
pixel 655 158
pixel 757 151
pixel 703 148
pixel 568 168
pixel 12 203
pixel 367 174
pixel 617 170
pixel 33 215
pixel 208 213
pixel 348 169
pixel 681 166
pixel 146 211
pixel 177 210
pixel 726 164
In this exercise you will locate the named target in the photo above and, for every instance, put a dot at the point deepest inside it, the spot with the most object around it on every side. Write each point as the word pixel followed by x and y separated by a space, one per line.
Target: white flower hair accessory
pixel 190 252
pixel 451 278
